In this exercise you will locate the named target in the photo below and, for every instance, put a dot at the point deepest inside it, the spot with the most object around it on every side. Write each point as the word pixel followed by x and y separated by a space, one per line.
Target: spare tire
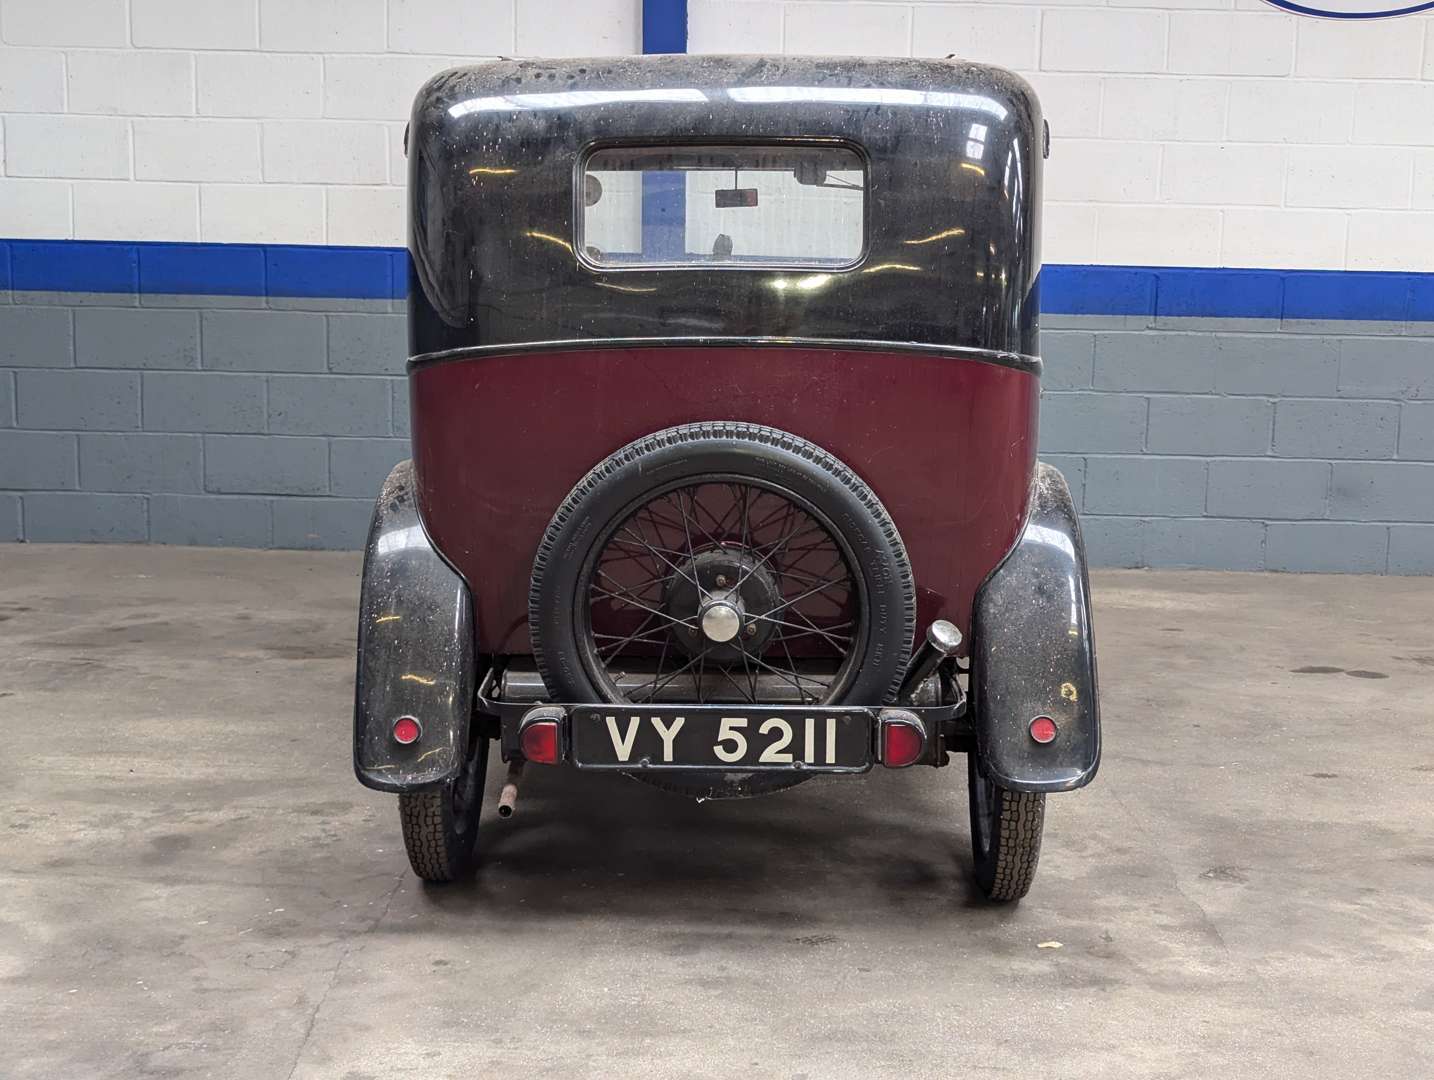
pixel 722 562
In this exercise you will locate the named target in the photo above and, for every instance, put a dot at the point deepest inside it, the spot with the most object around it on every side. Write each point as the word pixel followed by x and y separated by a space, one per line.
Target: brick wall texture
pixel 1262 446
pixel 235 427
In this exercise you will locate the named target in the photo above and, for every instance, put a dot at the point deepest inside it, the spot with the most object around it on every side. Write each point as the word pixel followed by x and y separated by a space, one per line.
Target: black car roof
pixel 952 252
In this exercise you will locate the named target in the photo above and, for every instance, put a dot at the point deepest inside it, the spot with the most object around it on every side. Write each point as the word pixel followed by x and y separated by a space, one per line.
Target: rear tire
pixel 440 824
pixel 1006 830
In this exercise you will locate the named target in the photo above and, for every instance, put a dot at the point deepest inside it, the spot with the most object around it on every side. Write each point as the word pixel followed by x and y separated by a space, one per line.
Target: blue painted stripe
pixel 664 216
pixel 204 269
pixel 1363 295
pixel 357 273
pixel 73 266
pixel 1335 295
pixel 664 195
pixel 285 270
pixel 1229 293
pixel 208 269
pixel 664 26
pixel 1104 290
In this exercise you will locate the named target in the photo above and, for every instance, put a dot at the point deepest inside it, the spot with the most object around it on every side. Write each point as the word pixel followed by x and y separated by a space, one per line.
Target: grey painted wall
pixel 198 424
pixel 1246 444
pixel 1241 444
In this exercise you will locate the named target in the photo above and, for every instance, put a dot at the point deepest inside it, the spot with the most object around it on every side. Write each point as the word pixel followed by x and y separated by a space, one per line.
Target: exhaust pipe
pixel 508 800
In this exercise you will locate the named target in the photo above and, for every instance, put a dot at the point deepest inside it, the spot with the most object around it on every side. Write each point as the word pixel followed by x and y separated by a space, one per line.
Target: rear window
pixel 802 206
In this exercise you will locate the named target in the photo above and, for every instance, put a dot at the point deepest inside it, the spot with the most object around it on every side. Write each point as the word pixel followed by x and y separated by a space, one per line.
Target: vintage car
pixel 724 380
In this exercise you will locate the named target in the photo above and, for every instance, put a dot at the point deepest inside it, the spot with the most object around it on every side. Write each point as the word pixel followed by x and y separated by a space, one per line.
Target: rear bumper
pixel 943 728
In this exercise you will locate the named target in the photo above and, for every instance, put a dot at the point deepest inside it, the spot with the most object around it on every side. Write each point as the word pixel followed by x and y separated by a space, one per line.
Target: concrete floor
pixel 193 884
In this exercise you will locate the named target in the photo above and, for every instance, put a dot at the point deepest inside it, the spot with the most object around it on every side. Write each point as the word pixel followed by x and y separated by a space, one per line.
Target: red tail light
pixel 1043 729
pixel 540 742
pixel 406 731
pixel 903 741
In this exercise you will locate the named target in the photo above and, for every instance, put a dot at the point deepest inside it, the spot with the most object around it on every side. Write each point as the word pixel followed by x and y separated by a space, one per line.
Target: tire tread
pixel 425 834
pixel 1018 848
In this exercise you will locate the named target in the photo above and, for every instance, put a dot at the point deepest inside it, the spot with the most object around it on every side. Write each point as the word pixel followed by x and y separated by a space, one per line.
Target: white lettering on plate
pixel 622 744
pixel 777 753
pixel 730 730
pixel 668 734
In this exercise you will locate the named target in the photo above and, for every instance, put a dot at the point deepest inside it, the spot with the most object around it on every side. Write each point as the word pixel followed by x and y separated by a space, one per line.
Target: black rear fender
pixel 415 650
pixel 1033 653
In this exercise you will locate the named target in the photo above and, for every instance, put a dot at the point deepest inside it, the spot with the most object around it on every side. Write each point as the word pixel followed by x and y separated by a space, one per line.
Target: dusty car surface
pixel 724 381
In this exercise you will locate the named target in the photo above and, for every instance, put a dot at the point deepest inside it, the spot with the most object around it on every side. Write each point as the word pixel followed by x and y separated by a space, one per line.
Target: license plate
pixel 721 737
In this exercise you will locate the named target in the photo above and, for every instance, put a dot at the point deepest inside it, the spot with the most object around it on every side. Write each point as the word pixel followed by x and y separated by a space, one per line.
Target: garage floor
pixel 193 884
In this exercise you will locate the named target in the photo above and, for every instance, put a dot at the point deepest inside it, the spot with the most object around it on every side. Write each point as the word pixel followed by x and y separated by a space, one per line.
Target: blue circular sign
pixel 1354 9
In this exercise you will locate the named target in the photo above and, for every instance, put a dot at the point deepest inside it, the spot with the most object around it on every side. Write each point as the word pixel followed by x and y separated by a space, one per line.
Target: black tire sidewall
pixel 763 455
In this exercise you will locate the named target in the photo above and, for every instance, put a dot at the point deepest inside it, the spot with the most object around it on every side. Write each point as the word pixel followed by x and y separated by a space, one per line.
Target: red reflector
pixel 902 743
pixel 1043 729
pixel 540 742
pixel 406 730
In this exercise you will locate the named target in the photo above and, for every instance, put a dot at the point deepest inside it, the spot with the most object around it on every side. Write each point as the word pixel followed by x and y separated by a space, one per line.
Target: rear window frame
pixel 777 263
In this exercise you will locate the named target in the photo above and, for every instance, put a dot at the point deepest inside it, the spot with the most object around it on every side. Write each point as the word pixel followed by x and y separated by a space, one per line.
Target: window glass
pixel 723 206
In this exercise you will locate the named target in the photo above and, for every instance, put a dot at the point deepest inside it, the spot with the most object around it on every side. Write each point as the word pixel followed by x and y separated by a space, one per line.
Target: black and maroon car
pixel 724 383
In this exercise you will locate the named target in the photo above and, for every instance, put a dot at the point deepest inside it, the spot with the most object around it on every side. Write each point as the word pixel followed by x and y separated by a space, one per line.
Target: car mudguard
pixel 415 650
pixel 1033 653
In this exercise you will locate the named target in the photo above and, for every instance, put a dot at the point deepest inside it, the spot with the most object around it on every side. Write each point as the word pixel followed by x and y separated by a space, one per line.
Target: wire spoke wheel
pixel 721 563
pixel 721 590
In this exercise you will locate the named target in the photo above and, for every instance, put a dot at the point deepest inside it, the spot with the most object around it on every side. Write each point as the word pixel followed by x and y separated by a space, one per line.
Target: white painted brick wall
pixel 1283 239
pixel 260 85
pixel 262 213
pixel 1398 114
pixel 66 146
pixel 120 210
pixel 33 209
pixel 221 150
pixel 1376 239
pixel 365 216
pixel 323 26
pixel 325 152
pixel 1238 43
pixel 1351 177
pixel 32 80
pixel 141 82
pixel 1010 36
pixel 251 121
pixel 723 26
pixel 72 23
pixel 1377 49
pixel 869 29
pixel 195 24
pixel 1424 179
pixel 1187 132
pixel 1222 174
pixel 576 28
pixel 471 27
pixel 1092 40
pixel 377 87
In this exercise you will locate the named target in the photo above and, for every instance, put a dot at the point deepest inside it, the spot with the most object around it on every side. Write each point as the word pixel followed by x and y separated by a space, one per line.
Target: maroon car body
pixel 949 447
